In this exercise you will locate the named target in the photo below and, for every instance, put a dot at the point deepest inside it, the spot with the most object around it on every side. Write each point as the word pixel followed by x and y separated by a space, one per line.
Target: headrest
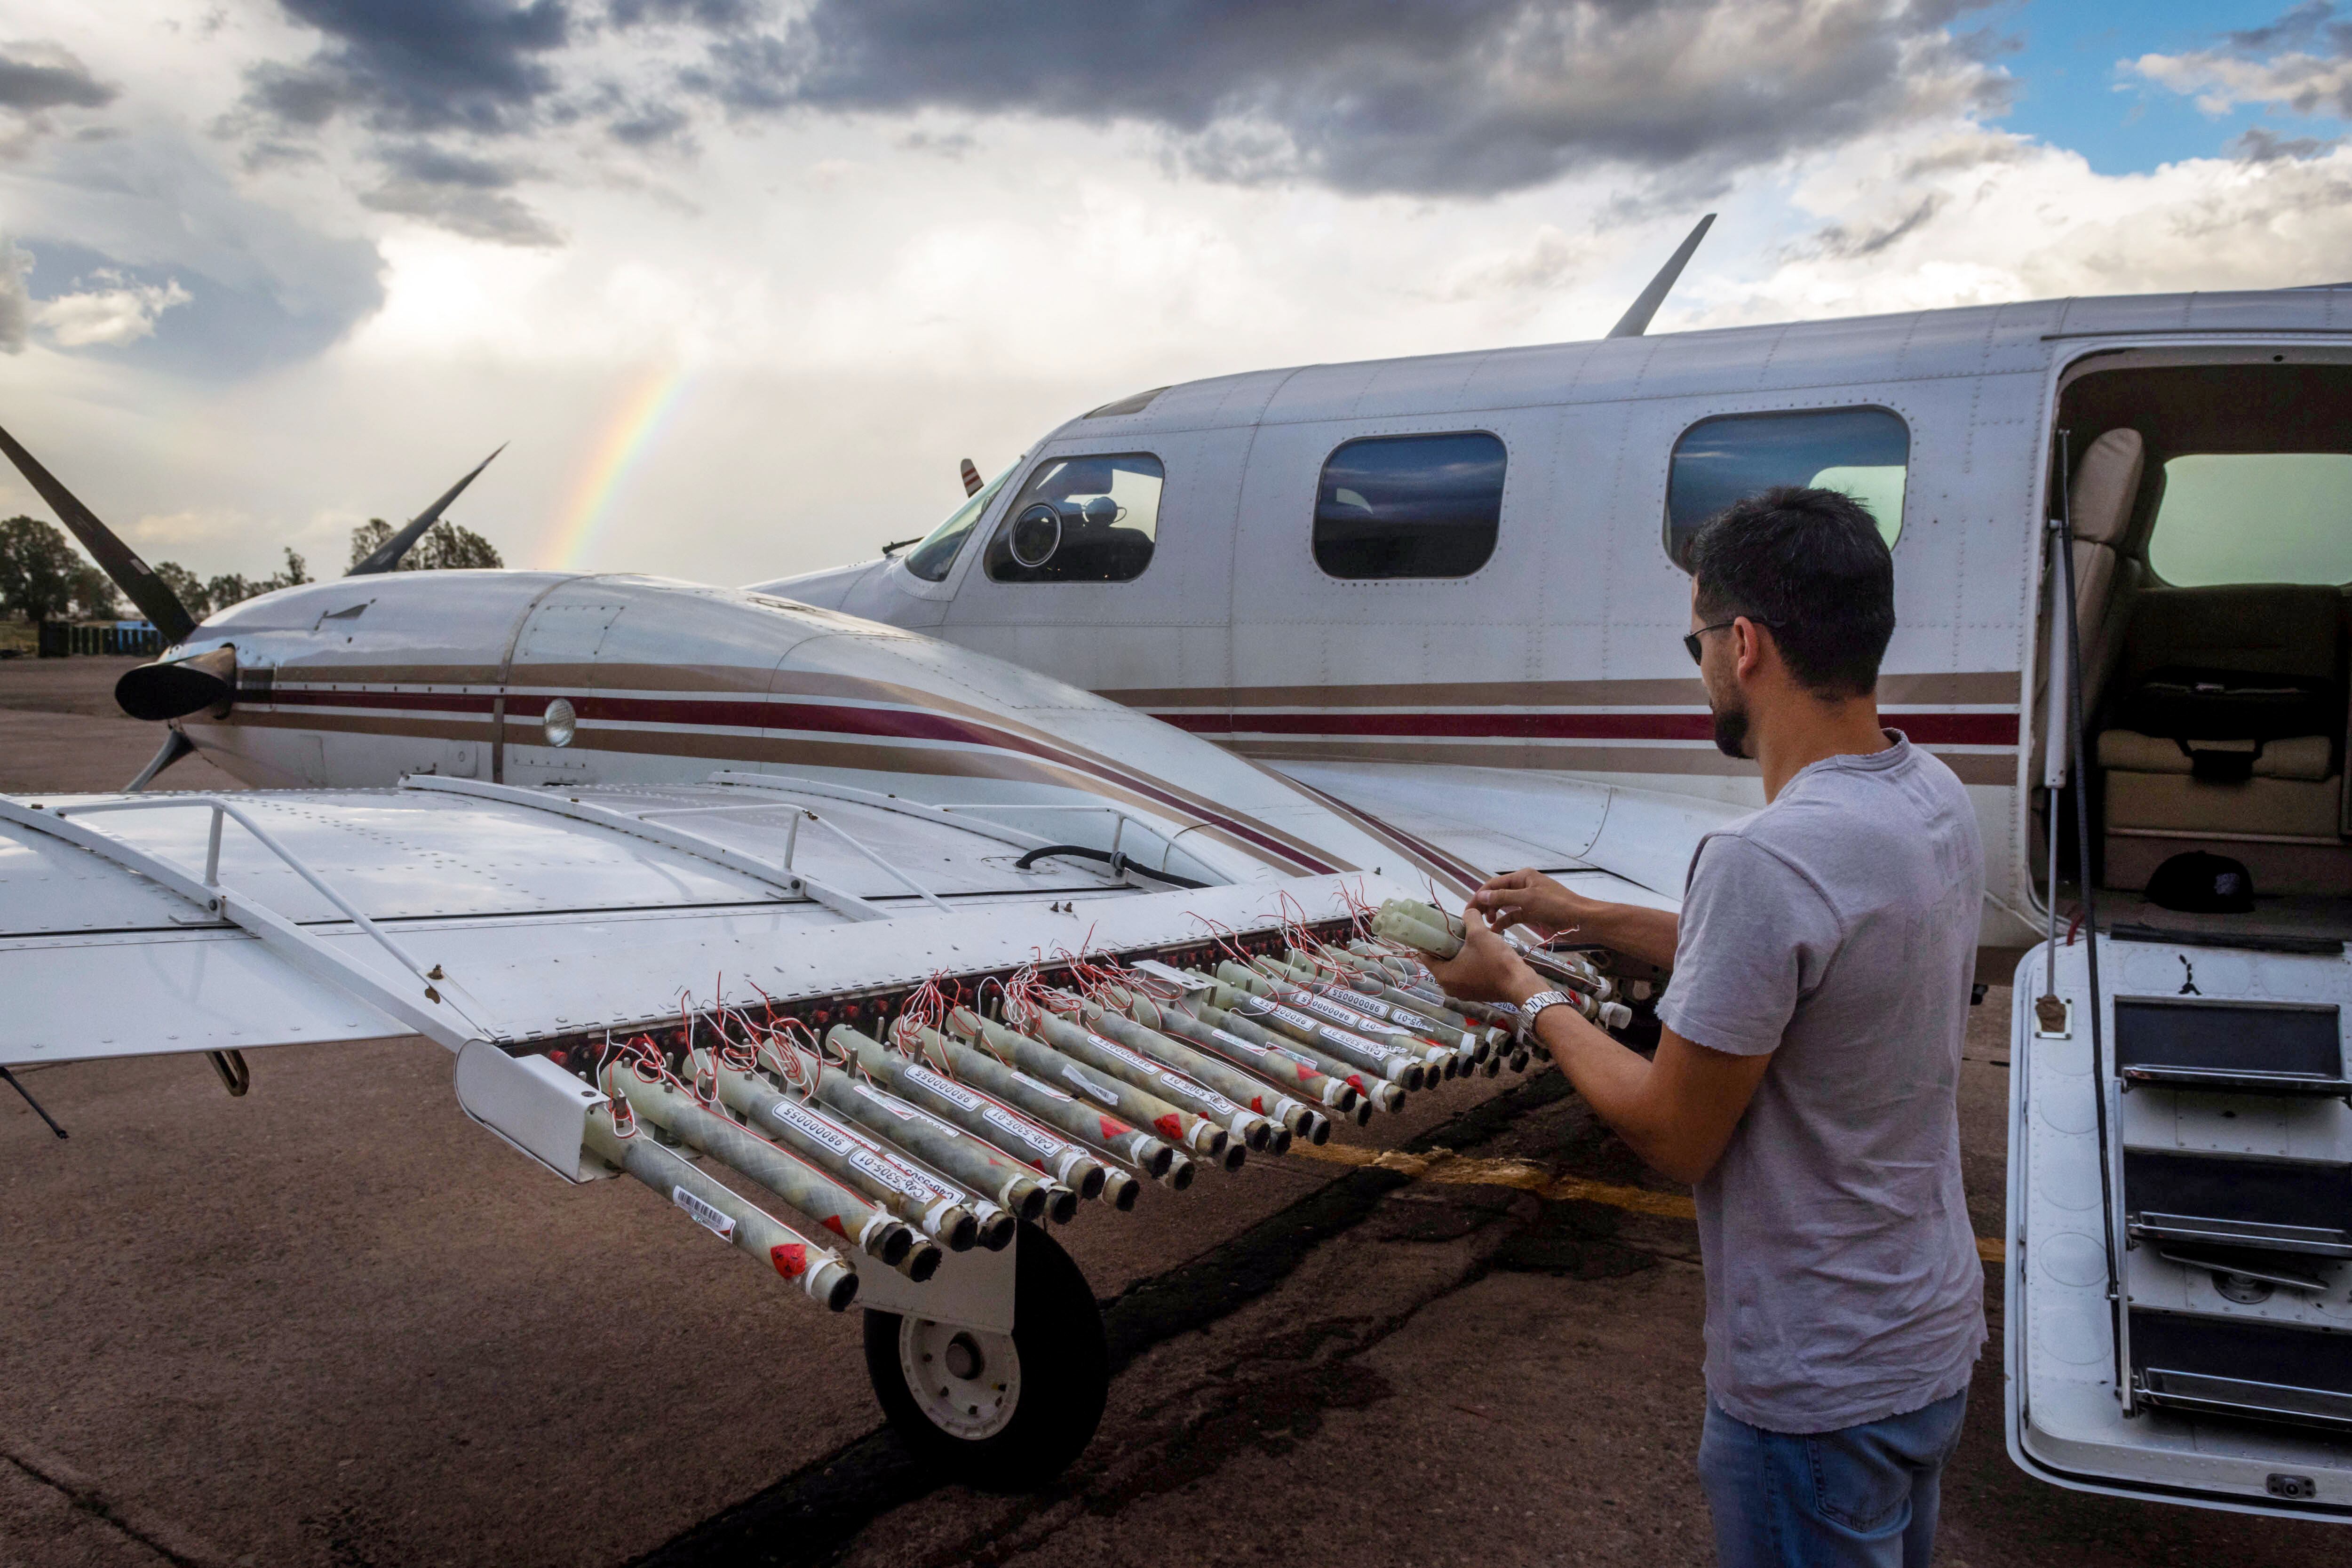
pixel 2107 482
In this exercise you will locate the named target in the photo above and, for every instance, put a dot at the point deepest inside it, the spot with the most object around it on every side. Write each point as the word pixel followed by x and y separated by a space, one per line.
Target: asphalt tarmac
pixel 333 1324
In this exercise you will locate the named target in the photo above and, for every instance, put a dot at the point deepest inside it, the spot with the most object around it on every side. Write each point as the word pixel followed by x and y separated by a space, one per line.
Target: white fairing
pixel 2067 1420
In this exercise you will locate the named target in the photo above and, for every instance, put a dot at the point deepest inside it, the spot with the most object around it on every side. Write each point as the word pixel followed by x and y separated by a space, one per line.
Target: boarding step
pixel 2276 1205
pixel 2251 1370
pixel 2230 1048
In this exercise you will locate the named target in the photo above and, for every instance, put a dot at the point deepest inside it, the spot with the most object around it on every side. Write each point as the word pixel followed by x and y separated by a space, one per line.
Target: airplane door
pixel 1111 568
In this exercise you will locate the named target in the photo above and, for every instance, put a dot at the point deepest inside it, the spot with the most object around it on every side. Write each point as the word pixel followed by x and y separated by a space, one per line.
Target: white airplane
pixel 1428 611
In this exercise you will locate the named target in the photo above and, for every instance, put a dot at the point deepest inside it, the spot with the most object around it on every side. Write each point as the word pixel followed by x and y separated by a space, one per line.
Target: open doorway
pixel 2211 498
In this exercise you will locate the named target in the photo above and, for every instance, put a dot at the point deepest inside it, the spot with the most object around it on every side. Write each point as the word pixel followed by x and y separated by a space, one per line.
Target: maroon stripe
pixel 1926 728
pixel 1468 877
pixel 819 718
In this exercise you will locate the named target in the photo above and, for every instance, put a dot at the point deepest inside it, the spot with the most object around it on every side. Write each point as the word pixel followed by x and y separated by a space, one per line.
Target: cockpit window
pixel 937 553
pixel 1094 519
pixel 1410 506
pixel 1864 452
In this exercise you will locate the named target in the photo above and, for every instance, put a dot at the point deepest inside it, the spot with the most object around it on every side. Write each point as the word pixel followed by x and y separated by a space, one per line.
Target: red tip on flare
pixel 1169 1128
pixel 790 1258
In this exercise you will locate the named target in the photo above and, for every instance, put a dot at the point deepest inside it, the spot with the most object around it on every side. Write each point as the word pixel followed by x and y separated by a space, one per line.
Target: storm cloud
pixel 416 66
pixel 1471 99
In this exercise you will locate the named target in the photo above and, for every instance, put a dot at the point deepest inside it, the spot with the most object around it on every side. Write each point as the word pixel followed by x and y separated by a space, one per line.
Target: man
pixel 1806 1077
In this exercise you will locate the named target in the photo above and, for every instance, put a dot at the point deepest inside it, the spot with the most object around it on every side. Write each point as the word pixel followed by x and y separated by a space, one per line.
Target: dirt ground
pixel 333 1323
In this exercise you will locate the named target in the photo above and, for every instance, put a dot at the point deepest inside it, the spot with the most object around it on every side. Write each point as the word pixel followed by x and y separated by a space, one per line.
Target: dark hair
pixel 1811 565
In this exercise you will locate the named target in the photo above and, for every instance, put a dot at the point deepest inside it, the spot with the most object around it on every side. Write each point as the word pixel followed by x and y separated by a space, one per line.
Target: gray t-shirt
pixel 1837 928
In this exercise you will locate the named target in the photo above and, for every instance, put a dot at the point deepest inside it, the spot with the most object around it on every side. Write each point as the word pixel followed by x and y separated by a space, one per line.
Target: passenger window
pixel 1080 519
pixel 937 553
pixel 2254 517
pixel 1863 452
pixel 1410 506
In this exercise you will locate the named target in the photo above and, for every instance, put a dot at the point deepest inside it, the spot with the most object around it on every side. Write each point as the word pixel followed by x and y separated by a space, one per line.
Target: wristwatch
pixel 1537 1003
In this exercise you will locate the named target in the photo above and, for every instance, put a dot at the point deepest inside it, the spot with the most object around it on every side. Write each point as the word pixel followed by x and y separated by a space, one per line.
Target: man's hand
pixel 1488 969
pixel 1532 900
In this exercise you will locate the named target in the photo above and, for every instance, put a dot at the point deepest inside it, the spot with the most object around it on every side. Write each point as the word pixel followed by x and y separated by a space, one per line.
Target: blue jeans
pixel 1863 1495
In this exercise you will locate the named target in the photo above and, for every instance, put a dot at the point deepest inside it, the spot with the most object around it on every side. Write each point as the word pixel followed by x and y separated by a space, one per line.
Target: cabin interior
pixel 2211 504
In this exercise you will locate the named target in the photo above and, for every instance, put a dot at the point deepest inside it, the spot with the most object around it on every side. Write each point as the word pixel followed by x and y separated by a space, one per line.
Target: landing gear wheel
pixel 1003 1412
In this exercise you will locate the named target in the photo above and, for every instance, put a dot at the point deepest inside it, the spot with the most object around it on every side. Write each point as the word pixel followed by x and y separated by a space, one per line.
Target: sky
pixel 740 283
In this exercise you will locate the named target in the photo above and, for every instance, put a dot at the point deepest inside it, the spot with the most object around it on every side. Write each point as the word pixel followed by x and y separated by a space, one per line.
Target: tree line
pixel 44 578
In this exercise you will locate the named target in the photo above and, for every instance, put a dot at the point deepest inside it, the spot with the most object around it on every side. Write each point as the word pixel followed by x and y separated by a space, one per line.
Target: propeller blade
pixel 174 689
pixel 139 584
pixel 1636 319
pixel 175 746
pixel 388 557
pixel 970 479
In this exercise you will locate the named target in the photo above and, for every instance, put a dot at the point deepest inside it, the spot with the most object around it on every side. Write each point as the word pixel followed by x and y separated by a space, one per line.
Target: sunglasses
pixel 1691 642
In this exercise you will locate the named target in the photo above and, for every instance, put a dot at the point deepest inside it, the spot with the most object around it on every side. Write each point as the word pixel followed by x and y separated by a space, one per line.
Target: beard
pixel 1730 729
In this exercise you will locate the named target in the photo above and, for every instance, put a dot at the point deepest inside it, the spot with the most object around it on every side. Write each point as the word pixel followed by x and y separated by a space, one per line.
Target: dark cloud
pixel 2259 146
pixel 33 78
pixel 2312 23
pixel 467 196
pixel 418 66
pixel 716 15
pixel 1849 244
pixel 1476 97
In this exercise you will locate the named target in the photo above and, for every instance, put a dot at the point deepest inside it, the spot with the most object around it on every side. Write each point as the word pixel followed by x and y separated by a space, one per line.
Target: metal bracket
pixel 782 878
pixel 301 947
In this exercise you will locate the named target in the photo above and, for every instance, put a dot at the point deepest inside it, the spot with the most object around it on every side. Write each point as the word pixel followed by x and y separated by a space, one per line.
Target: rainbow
pixel 638 419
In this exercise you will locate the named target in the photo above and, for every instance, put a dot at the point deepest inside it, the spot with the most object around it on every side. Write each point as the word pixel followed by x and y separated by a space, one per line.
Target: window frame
pixel 975 561
pixel 1878 406
pixel 1323 466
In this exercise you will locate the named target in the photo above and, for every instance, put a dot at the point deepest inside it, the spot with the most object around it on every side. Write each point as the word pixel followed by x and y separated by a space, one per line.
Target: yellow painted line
pixel 1445 1166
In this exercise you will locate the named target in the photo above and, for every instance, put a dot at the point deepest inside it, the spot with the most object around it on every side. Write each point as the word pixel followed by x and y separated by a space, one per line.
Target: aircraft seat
pixel 2225 727
pixel 2104 490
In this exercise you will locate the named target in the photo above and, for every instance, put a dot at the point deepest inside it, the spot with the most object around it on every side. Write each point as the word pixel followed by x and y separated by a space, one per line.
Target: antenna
pixel 1636 319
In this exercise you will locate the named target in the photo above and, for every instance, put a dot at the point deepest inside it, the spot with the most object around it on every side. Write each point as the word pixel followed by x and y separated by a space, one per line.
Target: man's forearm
pixel 1634 930
pixel 1610 1077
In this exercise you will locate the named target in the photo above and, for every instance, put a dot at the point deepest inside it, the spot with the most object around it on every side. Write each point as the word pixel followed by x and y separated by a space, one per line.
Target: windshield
pixel 937 553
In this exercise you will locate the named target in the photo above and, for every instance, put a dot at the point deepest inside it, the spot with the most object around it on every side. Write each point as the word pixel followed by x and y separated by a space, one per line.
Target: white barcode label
pixel 906 1112
pixel 1022 1131
pixel 1346 1016
pixel 903 1112
pixel 1173 1082
pixel 814 1128
pixel 953 1093
pixel 1089 1088
pixel 1043 1088
pixel 717 1221
pixel 888 1174
pixel 1237 1043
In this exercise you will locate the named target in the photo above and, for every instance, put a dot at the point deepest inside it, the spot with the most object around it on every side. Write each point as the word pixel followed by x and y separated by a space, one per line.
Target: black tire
pixel 1057 1333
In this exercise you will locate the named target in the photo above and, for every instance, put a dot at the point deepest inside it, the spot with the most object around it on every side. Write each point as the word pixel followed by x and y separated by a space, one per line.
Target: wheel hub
pixel 966 1381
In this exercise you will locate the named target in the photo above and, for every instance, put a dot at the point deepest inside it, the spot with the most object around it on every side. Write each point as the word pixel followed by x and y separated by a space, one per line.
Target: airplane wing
pixel 461 910
pixel 1461 824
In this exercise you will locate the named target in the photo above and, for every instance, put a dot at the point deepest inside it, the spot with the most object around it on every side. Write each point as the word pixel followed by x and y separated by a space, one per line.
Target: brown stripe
pixel 1970 688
